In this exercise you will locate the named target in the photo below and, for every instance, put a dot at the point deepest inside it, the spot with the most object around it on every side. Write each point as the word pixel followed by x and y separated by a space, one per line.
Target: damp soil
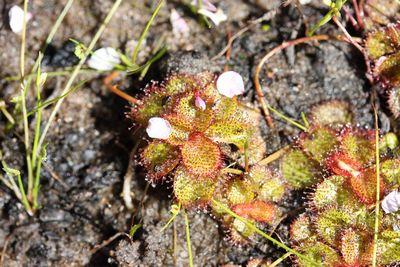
pixel 82 215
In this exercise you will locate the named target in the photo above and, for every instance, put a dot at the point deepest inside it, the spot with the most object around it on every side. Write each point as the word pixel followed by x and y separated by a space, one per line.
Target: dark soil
pixel 90 142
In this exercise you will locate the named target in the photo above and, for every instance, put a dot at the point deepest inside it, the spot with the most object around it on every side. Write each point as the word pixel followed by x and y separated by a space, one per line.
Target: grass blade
pixel 145 30
pixel 378 193
pixel 74 74
pixel 258 231
pixel 189 245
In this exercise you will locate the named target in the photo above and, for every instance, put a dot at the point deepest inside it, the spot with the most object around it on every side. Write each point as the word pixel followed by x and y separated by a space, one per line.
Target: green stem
pixel 172 218
pixel 30 174
pixel 57 24
pixel 53 100
pixel 189 246
pixel 64 72
pixel 24 199
pixel 23 41
pixel 38 165
pixel 304 118
pixel 145 30
pixel 6 113
pixel 284 256
pixel 378 182
pixel 49 39
pixel 23 100
pixel 157 56
pixel 38 113
pixel 258 231
pixel 289 120
pixel 36 186
pixel 76 71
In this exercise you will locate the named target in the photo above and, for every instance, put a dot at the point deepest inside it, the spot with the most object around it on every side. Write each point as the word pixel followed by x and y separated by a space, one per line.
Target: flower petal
pixel 16 16
pixel 391 203
pixel 216 17
pixel 158 128
pixel 179 25
pixel 230 83
pixel 104 58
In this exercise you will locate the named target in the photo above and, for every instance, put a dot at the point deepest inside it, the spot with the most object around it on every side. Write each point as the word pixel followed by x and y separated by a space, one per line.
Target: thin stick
pixel 228 52
pixel 265 107
pixel 258 231
pixel 189 245
pixel 348 36
pixel 353 41
pixel 358 14
pixel 266 16
pixel 274 156
pixel 77 69
pixel 54 175
pixel 108 241
pixel 377 202
pixel 3 252
pixel 145 30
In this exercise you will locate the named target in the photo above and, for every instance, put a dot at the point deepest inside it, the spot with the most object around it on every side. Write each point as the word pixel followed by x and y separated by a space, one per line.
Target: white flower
pixel 305 2
pixel 179 25
pixel 198 102
pixel 158 128
pixel 16 16
pixel 206 4
pixel 391 203
pixel 104 59
pixel 216 17
pixel 230 83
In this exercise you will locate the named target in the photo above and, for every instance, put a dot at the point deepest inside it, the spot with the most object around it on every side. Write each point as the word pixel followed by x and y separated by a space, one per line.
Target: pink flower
pixel 158 128
pixel 198 102
pixel 179 25
pixel 391 202
pixel 230 84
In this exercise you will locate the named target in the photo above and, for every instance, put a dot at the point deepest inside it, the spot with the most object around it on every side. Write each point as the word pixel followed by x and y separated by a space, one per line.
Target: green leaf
pixel 133 229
